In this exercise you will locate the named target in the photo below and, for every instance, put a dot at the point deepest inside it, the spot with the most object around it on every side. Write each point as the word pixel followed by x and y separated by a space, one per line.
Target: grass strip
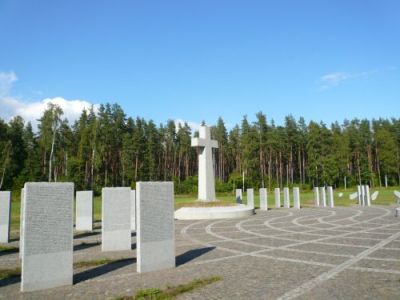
pixel 171 292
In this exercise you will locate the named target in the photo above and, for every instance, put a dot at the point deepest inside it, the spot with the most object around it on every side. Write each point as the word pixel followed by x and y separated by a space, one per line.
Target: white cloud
pixel 336 78
pixel 193 125
pixel 31 111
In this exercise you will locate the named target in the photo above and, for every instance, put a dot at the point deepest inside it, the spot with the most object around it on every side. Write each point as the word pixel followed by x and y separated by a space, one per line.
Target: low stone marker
pixel 84 211
pixel 277 197
pixel 155 226
pixel 239 196
pixel 353 196
pixel 296 197
pixel 323 196
pixel 316 196
pixel 133 210
pixel 47 256
pixel 331 201
pixel 250 198
pixel 263 199
pixel 374 195
pixel 286 197
pixel 340 195
pixel 397 195
pixel 21 223
pixel 5 211
pixel 116 219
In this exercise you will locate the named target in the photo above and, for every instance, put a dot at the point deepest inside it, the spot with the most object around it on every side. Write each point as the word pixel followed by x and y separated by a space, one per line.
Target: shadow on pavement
pixel 84 245
pixel 101 270
pixel 191 254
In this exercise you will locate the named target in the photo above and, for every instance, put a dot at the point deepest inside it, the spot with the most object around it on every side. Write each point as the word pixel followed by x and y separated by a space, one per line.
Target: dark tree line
pixel 107 148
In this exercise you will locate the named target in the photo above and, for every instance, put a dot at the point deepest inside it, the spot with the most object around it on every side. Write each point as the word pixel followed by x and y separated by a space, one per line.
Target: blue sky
pixel 197 60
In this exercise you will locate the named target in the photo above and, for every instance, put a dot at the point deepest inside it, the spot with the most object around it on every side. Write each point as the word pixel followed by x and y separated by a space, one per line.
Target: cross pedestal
pixel 204 145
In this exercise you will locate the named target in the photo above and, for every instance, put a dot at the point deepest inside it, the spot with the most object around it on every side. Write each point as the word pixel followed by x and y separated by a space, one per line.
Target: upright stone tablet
pixel 5 210
pixel 323 196
pixel 286 197
pixel 331 199
pixel 363 199
pixel 239 196
pixel 277 197
pixel 316 196
pixel 84 211
pixel 368 195
pixel 296 197
pixel 133 210
pixel 359 194
pixel 155 226
pixel 47 235
pixel 116 219
pixel 21 223
pixel 250 198
pixel 263 199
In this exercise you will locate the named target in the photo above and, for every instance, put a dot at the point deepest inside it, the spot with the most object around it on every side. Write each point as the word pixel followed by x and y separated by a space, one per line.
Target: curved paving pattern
pixel 340 253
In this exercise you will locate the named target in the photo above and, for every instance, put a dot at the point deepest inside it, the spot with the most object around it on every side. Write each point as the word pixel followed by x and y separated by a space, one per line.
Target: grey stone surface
pixel 286 197
pixel 133 210
pixel 263 199
pixel 277 197
pixel 5 211
pixel 239 196
pixel 367 195
pixel 359 195
pixel 331 199
pixel 250 198
pixel 155 226
pixel 47 255
pixel 116 219
pixel 296 197
pixel 316 196
pixel 21 223
pixel 270 255
pixel 205 144
pixel 84 211
pixel 322 194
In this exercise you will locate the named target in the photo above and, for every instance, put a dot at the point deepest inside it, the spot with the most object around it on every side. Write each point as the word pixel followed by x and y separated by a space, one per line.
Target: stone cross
pixel 206 171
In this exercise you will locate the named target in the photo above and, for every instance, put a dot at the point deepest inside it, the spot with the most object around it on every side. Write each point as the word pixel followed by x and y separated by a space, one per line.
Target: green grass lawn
pixel 386 197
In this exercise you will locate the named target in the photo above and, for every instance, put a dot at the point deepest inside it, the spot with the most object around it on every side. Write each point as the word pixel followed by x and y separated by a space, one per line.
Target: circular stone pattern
pixel 218 212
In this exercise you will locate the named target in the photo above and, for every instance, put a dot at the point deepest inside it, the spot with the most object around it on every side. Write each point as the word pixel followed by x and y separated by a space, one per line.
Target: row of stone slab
pixel 320 197
pixel 47 228
pixel 264 197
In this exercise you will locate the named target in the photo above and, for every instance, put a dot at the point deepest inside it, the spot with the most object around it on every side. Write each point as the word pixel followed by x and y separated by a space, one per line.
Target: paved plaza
pixel 312 253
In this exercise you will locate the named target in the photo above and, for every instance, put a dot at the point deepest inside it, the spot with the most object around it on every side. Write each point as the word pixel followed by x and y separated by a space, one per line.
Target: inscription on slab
pixel 155 226
pixel 133 210
pixel 116 219
pixel 84 211
pixel 47 235
pixel 5 210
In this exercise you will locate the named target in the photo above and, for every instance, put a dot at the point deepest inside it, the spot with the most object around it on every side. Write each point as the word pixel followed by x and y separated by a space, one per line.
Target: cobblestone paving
pixel 340 253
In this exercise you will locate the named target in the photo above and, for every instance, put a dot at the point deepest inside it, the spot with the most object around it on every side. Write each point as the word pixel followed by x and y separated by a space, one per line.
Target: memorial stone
pixel 116 219
pixel 331 201
pixel 263 199
pixel 250 198
pixel 84 211
pixel 374 195
pixel 296 197
pixel 155 226
pixel 316 196
pixel 323 196
pixel 277 197
pixel 21 223
pixel 47 256
pixel 5 211
pixel 286 197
